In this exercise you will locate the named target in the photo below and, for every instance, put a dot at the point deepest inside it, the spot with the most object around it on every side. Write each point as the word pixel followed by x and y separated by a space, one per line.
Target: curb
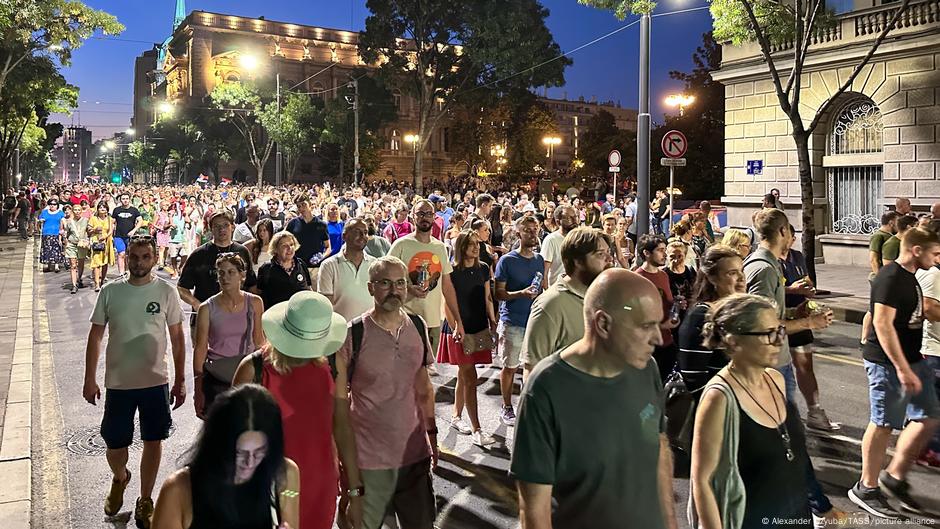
pixel 16 443
pixel 847 315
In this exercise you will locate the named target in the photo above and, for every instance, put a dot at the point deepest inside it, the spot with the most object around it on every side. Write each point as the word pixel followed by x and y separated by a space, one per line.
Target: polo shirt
pixel 345 285
pixel 199 272
pixel 276 285
pixel 556 320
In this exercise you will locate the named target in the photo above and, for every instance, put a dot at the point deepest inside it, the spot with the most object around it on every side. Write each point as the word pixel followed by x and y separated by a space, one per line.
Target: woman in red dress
pixel 472 283
pixel 301 333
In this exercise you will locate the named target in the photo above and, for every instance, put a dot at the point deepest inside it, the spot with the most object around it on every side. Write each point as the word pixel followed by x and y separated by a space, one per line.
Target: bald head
pixel 935 210
pixel 902 205
pixel 615 289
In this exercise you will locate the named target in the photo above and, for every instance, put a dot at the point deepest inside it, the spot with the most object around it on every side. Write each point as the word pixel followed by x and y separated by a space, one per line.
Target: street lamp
pixel 414 139
pixel 130 132
pixel 251 63
pixel 165 107
pixel 680 100
pixel 551 141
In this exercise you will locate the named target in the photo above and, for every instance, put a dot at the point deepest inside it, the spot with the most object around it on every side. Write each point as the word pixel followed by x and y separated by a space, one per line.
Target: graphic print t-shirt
pixel 897 288
pixel 417 255
pixel 124 220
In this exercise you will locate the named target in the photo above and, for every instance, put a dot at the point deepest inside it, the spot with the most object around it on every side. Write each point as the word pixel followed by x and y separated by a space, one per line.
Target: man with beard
pixel 127 220
pixel 555 320
pixel 245 230
pixel 137 311
pixel 652 251
pixel 517 284
pixel 276 217
pixel 566 217
pixel 584 405
pixel 383 363
pixel 428 272
pixel 344 277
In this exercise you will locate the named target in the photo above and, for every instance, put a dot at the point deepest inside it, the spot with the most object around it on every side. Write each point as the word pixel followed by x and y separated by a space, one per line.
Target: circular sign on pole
pixel 614 158
pixel 674 144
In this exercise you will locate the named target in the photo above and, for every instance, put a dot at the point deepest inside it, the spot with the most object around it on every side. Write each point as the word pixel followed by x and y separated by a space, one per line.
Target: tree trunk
pixel 260 168
pixel 807 201
pixel 6 174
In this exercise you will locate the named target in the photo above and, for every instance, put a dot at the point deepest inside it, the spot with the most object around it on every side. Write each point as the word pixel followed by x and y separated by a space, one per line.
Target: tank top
pixel 230 334
pixel 776 488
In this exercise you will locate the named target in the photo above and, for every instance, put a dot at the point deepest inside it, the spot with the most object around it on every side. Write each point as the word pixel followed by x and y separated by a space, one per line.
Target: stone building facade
pixel 879 141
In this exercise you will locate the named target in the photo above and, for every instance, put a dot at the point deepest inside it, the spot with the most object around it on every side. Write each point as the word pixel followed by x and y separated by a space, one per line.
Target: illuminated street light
pixel 680 100
pixel 414 139
pixel 165 107
pixel 130 132
pixel 249 62
pixel 110 144
pixel 551 141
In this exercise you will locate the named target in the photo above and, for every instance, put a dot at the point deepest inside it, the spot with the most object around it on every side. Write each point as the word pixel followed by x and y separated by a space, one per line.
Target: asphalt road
pixel 71 476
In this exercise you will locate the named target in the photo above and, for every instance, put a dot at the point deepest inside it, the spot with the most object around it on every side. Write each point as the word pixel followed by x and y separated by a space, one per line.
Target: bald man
pixel 902 206
pixel 935 210
pixel 589 436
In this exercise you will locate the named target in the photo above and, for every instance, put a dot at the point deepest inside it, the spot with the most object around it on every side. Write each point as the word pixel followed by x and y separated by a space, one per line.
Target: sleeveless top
pixel 230 333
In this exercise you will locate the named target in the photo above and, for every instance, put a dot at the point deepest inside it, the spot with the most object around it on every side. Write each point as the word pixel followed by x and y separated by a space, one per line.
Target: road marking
pixel 849 361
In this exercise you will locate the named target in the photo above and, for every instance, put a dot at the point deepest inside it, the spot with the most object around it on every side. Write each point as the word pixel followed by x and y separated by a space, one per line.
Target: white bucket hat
pixel 304 326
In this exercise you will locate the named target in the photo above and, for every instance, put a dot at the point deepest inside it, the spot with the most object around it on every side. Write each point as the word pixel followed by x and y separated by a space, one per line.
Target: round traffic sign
pixel 674 144
pixel 614 158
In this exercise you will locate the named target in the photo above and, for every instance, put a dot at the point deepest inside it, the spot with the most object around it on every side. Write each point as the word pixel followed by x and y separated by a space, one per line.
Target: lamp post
pixel 643 132
pixel 498 152
pixel 414 139
pixel 551 142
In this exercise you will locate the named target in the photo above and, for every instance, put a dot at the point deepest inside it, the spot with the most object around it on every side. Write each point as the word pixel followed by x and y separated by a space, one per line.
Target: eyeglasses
pixel 427 214
pixel 771 337
pixel 400 284
pixel 246 457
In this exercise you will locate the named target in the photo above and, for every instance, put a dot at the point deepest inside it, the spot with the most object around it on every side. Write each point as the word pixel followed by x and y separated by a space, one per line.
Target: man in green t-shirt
pixel 888 228
pixel 891 249
pixel 589 449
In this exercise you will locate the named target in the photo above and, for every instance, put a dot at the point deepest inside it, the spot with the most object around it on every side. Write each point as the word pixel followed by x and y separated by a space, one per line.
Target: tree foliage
pixel 242 106
pixel 600 137
pixel 622 8
pixel 296 128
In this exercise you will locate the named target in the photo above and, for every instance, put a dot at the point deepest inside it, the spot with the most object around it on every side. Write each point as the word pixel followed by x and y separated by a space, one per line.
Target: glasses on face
pixel 246 457
pixel 426 214
pixel 770 337
pixel 386 284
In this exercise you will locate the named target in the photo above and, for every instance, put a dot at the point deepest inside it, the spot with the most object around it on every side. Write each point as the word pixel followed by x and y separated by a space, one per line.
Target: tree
pixel 703 124
pixel 600 137
pixel 777 23
pixel 242 106
pixel 144 158
pixel 296 128
pixel 530 122
pixel 439 50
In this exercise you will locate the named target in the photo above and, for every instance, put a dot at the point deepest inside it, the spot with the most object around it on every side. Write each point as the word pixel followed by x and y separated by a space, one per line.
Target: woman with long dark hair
pixel 237 476
pixel 258 247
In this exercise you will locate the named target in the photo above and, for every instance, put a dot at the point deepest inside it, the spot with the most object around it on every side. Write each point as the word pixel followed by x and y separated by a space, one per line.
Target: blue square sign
pixel 755 167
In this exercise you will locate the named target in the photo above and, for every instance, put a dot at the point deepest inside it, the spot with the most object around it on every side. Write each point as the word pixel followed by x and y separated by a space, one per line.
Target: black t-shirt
pixel 485 256
pixel 124 220
pixel 277 285
pixel 276 220
pixel 896 287
pixel 9 203
pixel 681 284
pixel 23 205
pixel 697 363
pixel 311 236
pixel 200 273
pixel 470 284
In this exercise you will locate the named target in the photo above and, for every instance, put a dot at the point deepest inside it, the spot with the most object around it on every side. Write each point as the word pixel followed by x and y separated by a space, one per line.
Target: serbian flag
pixel 203 179
pixel 226 181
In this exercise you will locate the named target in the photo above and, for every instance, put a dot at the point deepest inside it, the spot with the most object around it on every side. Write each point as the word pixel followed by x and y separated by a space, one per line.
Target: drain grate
pixel 88 442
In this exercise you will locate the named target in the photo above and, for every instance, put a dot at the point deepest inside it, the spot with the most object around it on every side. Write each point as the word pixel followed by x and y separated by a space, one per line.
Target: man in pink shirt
pixel 385 383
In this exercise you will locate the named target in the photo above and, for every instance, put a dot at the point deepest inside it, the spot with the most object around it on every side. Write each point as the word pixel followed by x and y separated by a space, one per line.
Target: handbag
pixel 97 246
pixel 680 421
pixel 478 341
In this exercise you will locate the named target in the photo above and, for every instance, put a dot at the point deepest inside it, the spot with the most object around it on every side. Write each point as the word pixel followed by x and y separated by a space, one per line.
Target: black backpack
pixel 356 328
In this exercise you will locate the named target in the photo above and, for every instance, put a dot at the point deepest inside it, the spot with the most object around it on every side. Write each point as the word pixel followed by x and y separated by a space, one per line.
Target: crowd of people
pixel 318 317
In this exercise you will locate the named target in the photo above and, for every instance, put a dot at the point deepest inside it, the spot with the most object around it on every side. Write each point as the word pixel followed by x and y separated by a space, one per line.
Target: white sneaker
pixel 457 423
pixel 482 439
pixel 817 419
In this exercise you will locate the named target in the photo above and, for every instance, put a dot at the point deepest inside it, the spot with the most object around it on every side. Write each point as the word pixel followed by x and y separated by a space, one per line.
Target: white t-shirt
pixel 243 233
pixel 137 318
pixel 930 285
pixel 415 255
pixel 551 252
pixel 346 286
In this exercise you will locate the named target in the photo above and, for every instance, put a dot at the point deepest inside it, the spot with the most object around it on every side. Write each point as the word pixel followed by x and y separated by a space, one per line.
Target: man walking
pixel 127 220
pixel 900 382
pixel 566 217
pixel 344 277
pixel 21 215
pixel 384 382
pixel 517 284
pixel 589 449
pixel 311 233
pixel 137 311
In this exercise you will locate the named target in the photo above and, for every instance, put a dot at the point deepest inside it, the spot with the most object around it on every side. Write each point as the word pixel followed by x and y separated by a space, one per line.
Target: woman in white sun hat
pixel 301 333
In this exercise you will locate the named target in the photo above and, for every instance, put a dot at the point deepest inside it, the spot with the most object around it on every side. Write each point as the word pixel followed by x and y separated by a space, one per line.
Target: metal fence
pixel 854 193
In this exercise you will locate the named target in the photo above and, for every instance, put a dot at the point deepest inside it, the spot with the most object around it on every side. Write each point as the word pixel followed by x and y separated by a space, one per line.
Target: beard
pixel 138 272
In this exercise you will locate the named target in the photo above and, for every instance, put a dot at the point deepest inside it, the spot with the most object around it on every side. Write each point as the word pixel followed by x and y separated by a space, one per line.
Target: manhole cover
pixel 88 442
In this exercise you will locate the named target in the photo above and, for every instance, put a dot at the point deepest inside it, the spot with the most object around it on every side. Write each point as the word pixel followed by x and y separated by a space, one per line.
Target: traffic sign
pixel 672 162
pixel 613 159
pixel 755 167
pixel 614 169
pixel 674 144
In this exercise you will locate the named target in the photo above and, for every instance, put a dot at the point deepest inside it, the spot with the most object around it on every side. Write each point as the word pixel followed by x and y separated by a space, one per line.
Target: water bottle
pixel 423 276
pixel 674 311
pixel 316 258
pixel 537 281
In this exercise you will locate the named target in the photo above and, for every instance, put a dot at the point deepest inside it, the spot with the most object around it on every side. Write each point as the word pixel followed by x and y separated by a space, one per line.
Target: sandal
pixel 115 499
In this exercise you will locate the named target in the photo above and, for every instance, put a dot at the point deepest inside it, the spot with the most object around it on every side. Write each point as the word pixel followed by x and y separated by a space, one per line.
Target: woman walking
pixel 161 227
pixel 50 222
pixel 227 329
pixel 472 281
pixel 259 247
pixel 77 245
pixel 285 275
pixel 101 234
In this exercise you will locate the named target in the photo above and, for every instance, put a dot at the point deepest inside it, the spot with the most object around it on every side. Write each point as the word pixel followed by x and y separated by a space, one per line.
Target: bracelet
pixel 356 492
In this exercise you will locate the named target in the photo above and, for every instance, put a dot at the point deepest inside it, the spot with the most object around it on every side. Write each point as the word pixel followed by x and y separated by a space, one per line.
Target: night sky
pixel 103 68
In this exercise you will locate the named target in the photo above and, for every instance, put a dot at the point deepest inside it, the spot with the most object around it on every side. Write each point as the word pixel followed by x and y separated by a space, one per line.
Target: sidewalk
pixel 848 290
pixel 16 381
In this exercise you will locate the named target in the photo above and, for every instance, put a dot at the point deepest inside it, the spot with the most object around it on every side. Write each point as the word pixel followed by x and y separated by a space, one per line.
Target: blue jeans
pixel 891 406
pixel 818 501
pixel 934 363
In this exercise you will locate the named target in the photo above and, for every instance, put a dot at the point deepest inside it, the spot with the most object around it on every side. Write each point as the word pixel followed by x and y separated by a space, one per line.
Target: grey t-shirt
pixel 765 278
pixel 596 441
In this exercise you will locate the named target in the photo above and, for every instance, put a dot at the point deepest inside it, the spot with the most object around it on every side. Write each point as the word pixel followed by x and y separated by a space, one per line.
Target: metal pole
pixel 16 172
pixel 356 132
pixel 672 174
pixel 277 156
pixel 643 132
pixel 615 189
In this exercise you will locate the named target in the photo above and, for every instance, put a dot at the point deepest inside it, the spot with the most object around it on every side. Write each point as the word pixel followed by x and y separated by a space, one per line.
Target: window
pixel 445 139
pixel 395 140
pixel 232 78
pixel 318 90
pixel 396 95
pixel 856 188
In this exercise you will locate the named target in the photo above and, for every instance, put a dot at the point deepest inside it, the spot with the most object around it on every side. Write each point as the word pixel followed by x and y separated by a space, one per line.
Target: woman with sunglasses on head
pixel 749 448
pixel 50 222
pixel 237 475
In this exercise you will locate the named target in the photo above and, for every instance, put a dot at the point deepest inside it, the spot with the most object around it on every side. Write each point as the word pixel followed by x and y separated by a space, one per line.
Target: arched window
pixel 317 90
pixel 854 167
pixel 232 78
pixel 395 140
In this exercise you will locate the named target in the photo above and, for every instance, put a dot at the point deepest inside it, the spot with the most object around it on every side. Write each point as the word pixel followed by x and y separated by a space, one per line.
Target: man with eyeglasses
pixel 566 217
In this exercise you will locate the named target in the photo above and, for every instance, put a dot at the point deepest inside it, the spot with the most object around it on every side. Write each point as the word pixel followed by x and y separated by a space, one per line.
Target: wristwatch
pixel 356 492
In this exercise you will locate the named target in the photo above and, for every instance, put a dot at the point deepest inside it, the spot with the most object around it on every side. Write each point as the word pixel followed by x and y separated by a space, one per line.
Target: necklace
pixel 781 425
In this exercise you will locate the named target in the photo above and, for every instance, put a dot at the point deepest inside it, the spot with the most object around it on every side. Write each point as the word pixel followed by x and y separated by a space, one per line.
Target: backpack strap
pixel 257 362
pixel 422 331
pixel 356 328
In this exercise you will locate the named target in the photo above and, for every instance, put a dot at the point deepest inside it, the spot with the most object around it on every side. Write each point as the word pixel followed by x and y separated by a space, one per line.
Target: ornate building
pixel 880 141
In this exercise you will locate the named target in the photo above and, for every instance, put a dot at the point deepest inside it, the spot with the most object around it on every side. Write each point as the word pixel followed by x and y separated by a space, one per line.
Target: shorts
pixel 117 425
pixel 406 491
pixel 890 405
pixel 120 244
pixel 509 345
pixel 174 250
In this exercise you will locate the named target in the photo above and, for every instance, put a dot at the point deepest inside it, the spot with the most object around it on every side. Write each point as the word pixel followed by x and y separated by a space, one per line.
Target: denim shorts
pixel 890 405
pixel 120 405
